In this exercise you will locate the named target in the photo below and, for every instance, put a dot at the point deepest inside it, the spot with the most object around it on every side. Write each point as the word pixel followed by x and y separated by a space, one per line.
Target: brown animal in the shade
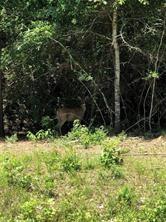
pixel 65 114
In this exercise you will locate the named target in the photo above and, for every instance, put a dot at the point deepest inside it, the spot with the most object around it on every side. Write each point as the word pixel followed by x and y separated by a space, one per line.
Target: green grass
pixel 68 183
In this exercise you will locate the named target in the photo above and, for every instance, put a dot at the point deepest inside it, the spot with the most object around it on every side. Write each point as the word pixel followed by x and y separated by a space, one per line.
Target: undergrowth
pixel 70 184
pixel 86 137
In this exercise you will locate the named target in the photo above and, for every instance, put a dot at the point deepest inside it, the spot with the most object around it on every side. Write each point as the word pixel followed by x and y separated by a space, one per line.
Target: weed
pixel 90 163
pixel 52 160
pixel 14 171
pixel 98 136
pixel 121 206
pixel 49 185
pixel 37 210
pixel 40 135
pixel 72 185
pixel 31 136
pixel 69 212
pixel 70 162
pixel 117 172
pixel 155 209
pixel 11 139
pixel 86 137
pixel 104 176
pixel 47 123
pixel 126 195
pixel 122 136
pixel 140 168
pixel 111 153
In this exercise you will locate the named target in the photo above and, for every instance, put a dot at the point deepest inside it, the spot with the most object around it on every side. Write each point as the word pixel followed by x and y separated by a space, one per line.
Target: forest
pixel 82 111
pixel 110 52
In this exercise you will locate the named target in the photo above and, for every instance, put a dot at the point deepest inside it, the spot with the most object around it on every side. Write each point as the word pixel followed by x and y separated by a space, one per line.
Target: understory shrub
pixel 85 136
pixel 70 162
pixel 111 153
pixel 40 135
pixel 11 139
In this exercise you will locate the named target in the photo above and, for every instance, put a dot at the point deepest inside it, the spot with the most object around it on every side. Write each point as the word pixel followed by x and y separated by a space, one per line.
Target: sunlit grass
pixel 59 181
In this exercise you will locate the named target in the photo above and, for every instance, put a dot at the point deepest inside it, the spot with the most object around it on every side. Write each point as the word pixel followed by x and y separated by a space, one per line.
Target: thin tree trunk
pixel 1 108
pixel 117 71
pixel 154 80
pixel 151 105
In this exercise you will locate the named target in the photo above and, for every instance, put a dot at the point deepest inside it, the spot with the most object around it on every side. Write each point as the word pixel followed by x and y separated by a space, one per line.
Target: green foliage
pixel 11 139
pixel 47 123
pixel 15 173
pixel 90 163
pixel 122 2
pixel 144 2
pixel 117 172
pixel 70 162
pixel 152 75
pixel 99 2
pixel 140 168
pixel 48 185
pixel 122 136
pixel 40 32
pixel 39 39
pixel 30 41
pixel 126 195
pixel 37 210
pixel 52 160
pixel 154 209
pixel 119 2
pixel 40 135
pixel 83 76
pixel 158 213
pixel 70 12
pixel 44 134
pixel 85 136
pixel 31 136
pixel 69 212
pixel 127 207
pixel 111 153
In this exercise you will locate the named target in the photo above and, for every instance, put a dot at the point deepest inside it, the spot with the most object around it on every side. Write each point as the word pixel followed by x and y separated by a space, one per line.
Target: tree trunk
pixel 1 109
pixel 117 72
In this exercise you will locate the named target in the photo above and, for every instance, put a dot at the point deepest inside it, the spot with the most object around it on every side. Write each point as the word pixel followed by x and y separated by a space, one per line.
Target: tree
pixel 115 5
pixel 70 48
pixel 116 69
pixel 1 108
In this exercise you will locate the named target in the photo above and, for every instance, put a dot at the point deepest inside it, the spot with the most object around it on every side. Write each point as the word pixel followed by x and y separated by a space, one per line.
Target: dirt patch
pixel 135 145
pixel 143 146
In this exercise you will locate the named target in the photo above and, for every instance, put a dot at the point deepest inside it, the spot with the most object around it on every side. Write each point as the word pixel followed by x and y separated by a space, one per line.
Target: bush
pixel 47 123
pixel 155 211
pixel 111 153
pixel 117 172
pixel 37 210
pixel 126 195
pixel 14 171
pixel 85 136
pixel 11 139
pixel 52 160
pixel 40 135
pixel 70 162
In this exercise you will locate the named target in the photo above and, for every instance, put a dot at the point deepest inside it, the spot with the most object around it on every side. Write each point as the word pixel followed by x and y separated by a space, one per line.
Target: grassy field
pixel 116 179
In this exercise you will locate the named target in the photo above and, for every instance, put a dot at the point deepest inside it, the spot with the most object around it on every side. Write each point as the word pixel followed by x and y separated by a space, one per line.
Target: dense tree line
pixel 52 51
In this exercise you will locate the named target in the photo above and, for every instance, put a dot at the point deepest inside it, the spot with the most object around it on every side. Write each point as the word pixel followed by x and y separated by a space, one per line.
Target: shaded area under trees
pixel 55 51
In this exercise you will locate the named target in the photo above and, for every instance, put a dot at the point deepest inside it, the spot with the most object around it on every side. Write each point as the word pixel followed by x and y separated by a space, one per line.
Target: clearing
pixel 62 181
